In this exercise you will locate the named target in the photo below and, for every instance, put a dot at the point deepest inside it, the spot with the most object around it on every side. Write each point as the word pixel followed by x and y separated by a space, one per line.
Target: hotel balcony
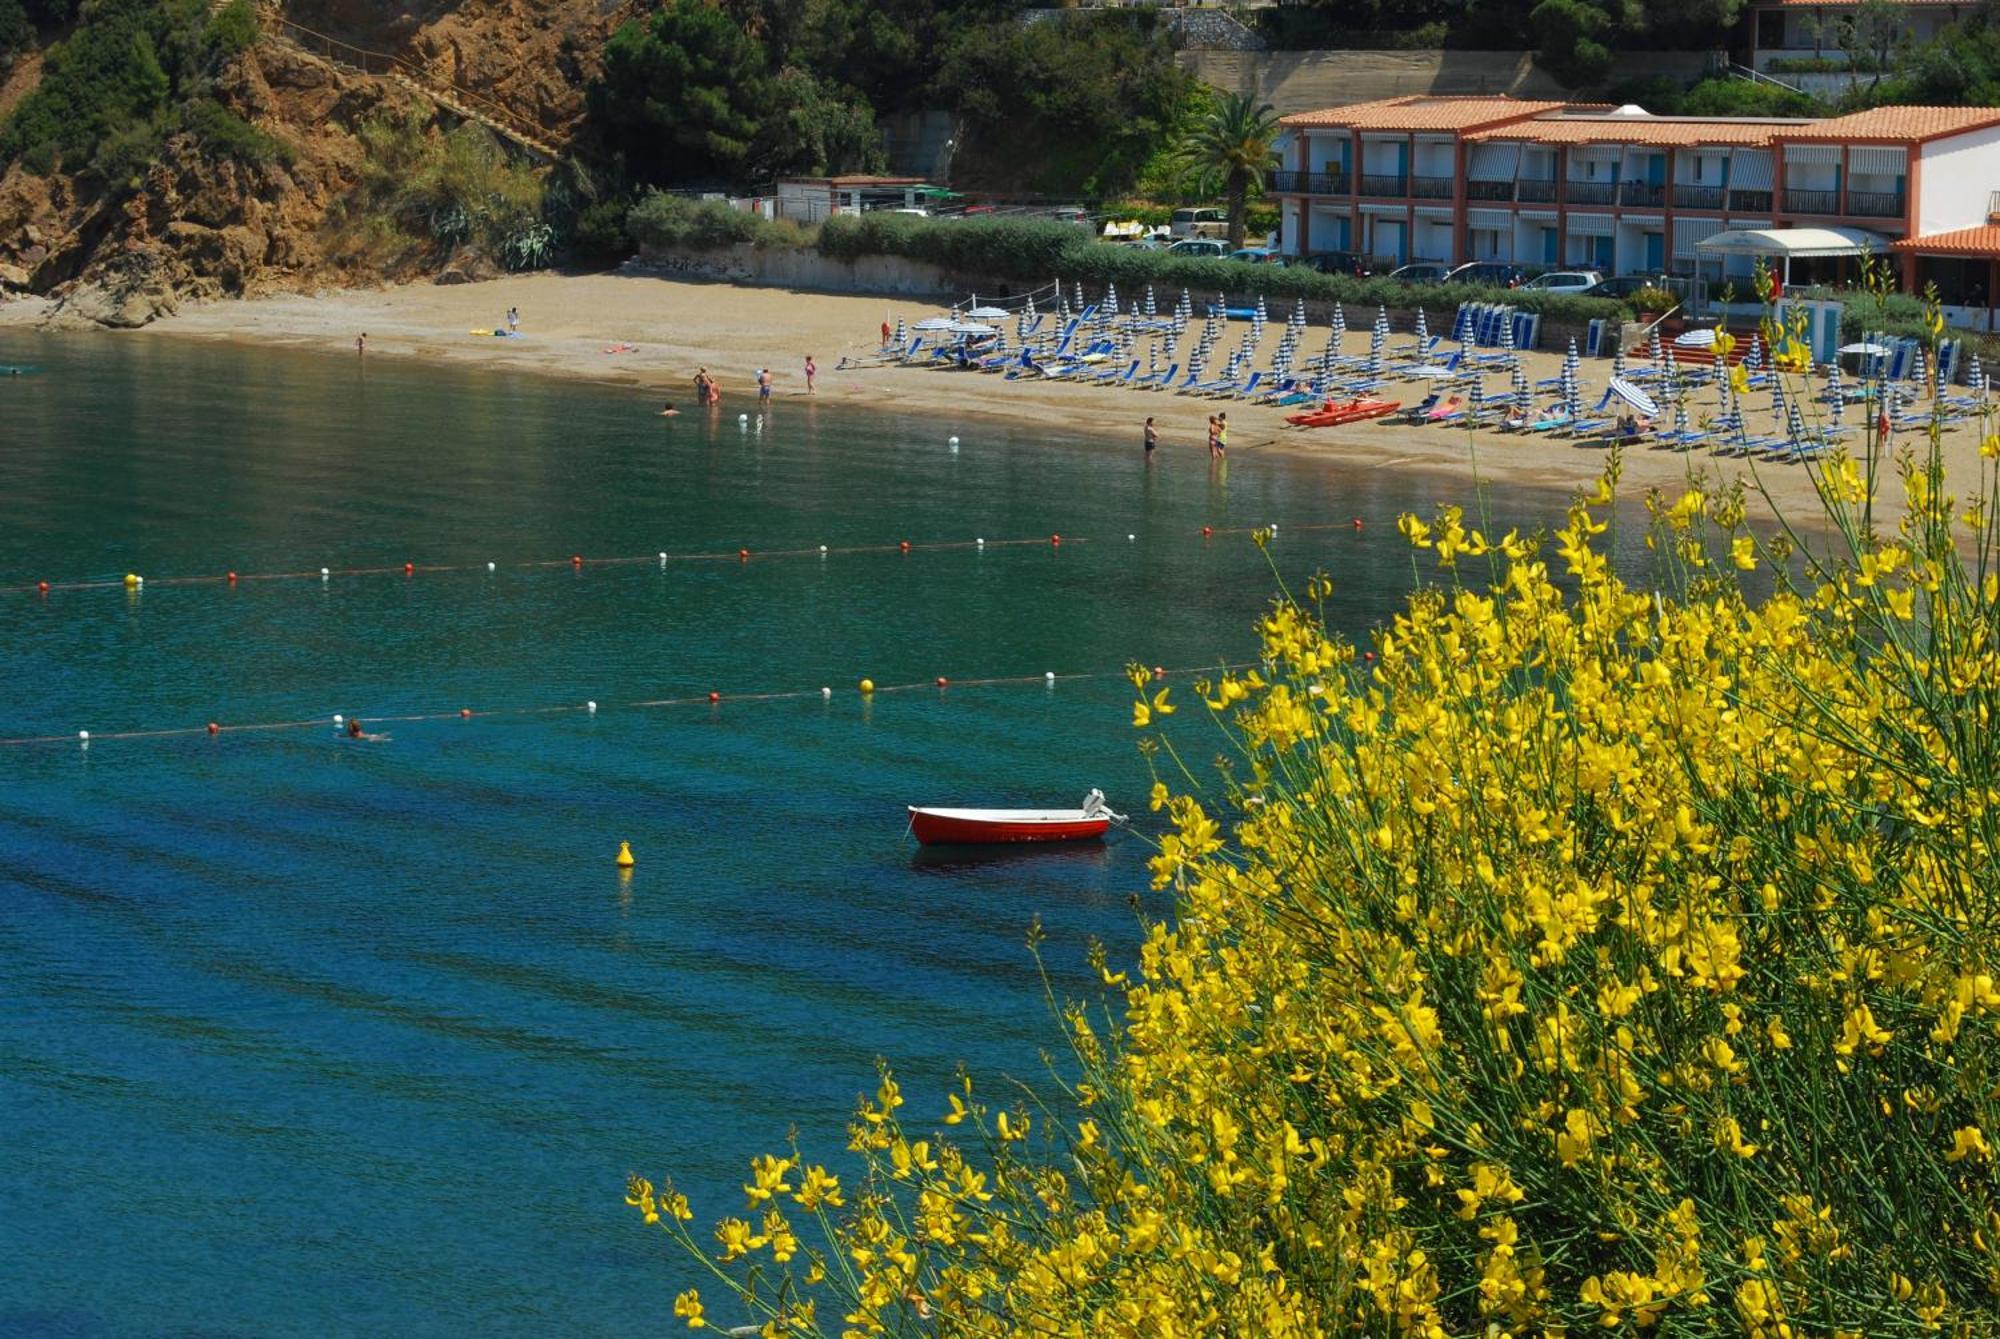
pixel 1590 192
pixel 1876 204
pixel 1697 197
pixel 1489 190
pixel 1812 202
pixel 1750 202
pixel 1385 183
pixel 1309 183
pixel 1535 191
pixel 1636 193
pixel 1431 188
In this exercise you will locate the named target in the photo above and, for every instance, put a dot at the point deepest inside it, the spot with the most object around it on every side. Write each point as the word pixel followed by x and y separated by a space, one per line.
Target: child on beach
pixel 812 371
pixel 513 318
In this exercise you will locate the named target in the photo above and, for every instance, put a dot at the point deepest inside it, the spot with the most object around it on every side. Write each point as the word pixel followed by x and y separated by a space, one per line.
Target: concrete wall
pixel 1299 81
pixel 1958 173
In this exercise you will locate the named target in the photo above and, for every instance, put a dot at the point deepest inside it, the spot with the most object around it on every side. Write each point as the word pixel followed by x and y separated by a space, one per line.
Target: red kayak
pixel 1353 411
pixel 982 827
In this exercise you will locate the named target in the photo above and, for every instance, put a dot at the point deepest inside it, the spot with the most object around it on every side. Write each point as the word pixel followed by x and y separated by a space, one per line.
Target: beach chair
pixel 1416 411
pixel 1115 376
pixel 1152 381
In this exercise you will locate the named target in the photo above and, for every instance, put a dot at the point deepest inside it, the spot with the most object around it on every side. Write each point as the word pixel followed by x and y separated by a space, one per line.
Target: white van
pixel 1199 223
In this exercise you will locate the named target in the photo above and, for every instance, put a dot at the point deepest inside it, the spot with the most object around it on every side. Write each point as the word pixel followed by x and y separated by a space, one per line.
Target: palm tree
pixel 1234 145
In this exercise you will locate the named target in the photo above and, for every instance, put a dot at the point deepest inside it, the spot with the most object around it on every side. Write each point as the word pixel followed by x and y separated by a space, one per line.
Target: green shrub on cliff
pixel 425 195
pixel 675 223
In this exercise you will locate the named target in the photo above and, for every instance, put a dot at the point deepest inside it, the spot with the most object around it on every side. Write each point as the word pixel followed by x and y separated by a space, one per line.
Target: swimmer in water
pixel 669 411
pixel 354 731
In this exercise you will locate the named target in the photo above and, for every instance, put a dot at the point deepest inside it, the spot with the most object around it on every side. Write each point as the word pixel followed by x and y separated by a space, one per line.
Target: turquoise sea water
pixel 299 1036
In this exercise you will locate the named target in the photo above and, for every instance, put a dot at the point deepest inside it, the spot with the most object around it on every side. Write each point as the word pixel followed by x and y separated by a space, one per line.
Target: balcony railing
pixel 1697 197
pixel 1489 190
pixel 1535 191
pixel 1875 204
pixel 1812 202
pixel 1384 183
pixel 1431 188
pixel 1309 183
pixel 1637 193
pixel 1750 202
pixel 1590 192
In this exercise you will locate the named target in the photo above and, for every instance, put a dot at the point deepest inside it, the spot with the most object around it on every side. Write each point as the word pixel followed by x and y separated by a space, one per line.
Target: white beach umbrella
pixel 970 328
pixel 988 313
pixel 1695 339
pixel 937 323
pixel 1635 397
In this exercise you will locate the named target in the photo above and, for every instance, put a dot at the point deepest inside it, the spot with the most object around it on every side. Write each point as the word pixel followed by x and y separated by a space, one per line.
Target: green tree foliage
pixel 681 95
pixel 1958 67
pixel 810 128
pixel 1059 107
pixel 131 74
pixel 1231 148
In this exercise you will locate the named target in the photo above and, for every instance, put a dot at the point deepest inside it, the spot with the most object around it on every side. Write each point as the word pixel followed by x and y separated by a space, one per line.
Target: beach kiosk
pixel 1782 246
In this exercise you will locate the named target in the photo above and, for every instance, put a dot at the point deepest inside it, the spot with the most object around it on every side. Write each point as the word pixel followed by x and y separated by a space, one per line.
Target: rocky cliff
pixel 195 224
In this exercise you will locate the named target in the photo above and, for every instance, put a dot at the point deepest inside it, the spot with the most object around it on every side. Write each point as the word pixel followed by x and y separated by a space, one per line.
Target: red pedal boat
pixel 985 827
pixel 1353 411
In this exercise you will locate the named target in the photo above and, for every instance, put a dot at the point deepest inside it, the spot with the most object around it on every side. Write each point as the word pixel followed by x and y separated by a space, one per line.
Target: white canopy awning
pixel 1800 243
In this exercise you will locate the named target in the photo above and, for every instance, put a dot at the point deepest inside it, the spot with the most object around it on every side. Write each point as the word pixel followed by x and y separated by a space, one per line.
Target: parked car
pixel 1337 262
pixel 1565 281
pixel 1491 273
pixel 1257 255
pixel 1199 223
pixel 1624 286
pixel 1421 272
pixel 1201 247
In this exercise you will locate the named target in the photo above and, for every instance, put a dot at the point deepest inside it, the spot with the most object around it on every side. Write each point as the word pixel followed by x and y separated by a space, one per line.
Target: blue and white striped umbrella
pixel 1111 296
pixel 1653 350
pixel 1475 399
pixel 1151 309
pixel 1080 303
pixel 1680 416
pixel 1423 333
pixel 1754 360
pixel 1339 323
pixel 1618 360
pixel 1974 373
pixel 1779 400
pixel 1261 315
pixel 1795 424
pixel 1836 392
pixel 1378 339
pixel 1298 317
pixel 1524 403
pixel 1920 372
pixel 902 335
pixel 1506 330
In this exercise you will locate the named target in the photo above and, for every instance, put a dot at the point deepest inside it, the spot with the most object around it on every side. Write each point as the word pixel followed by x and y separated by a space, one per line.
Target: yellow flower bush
pixel 1596 960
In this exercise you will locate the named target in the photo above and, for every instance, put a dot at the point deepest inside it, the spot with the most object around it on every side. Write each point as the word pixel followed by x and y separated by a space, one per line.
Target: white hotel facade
pixel 1456 179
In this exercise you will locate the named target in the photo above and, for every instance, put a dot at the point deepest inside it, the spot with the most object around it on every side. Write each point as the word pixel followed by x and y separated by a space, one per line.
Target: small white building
pixel 810 199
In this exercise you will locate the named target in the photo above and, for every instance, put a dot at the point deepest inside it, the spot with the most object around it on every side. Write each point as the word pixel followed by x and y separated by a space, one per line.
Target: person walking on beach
pixel 812 372
pixel 886 332
pixel 1152 439
pixel 764 385
pixel 513 318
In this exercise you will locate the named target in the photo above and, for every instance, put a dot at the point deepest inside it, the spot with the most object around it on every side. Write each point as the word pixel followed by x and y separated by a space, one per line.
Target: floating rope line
pixel 575 561
pixel 868 690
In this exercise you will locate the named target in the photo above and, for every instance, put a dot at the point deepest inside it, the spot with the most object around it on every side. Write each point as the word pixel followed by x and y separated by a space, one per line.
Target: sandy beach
pixel 569 322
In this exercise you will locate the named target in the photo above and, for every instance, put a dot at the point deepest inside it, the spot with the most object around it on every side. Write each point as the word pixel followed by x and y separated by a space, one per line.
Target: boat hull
pixel 959 829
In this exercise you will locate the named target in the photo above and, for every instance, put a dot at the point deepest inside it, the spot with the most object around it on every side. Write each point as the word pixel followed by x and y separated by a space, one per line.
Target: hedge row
pixel 1034 251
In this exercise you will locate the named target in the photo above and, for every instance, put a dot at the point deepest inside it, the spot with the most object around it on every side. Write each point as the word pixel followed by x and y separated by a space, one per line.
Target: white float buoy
pixel 1050 677
pixel 822 548
pixel 742 418
pixel 663 555
pixel 825 693
pixel 338 719
pixel 590 707
pixel 324 574
pixel 492 567
pixel 951 441
pixel 1131 537
pixel 84 735
pixel 980 542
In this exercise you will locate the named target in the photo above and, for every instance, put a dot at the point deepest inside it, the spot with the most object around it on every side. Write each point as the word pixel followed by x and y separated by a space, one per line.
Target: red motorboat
pixel 986 827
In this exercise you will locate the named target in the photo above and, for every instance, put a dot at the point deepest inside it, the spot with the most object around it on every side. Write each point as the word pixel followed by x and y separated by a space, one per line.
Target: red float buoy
pixel 1368 656
pixel 409 569
pixel 576 560
pixel 1055 541
pixel 464 713
pixel 1357 523
pixel 42 586
pixel 742 555
pixel 232 578
pixel 1206 531
pixel 713 698
pixel 214 729
pixel 1159 671
pixel 942 681
pixel 904 546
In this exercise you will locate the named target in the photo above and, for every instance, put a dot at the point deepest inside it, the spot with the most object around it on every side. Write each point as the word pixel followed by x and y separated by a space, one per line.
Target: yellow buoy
pixel 131 579
pixel 625 860
pixel 867 685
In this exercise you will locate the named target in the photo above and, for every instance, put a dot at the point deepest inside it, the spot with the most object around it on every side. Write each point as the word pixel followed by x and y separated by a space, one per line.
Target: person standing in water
pixel 764 385
pixel 812 372
pixel 1211 435
pixel 1152 439
pixel 361 344
pixel 1222 434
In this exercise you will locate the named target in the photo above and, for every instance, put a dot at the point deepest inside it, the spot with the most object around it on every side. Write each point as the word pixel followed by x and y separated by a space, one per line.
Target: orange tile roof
pixel 1898 123
pixel 1416 112
pixel 1663 130
pixel 1983 240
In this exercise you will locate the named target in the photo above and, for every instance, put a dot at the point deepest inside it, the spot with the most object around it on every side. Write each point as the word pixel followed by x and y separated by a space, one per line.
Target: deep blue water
pixel 299 1036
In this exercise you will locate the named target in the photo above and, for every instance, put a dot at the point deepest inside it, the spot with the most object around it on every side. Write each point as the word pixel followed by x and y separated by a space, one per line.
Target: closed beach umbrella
pixel 1523 398
pixel 1080 304
pixel 1507 332
pixel 1111 296
pixel 1779 400
pixel 1339 323
pixel 1920 372
pixel 1618 360
pixel 902 335
pixel 1635 397
pixel 1974 374
pixel 1151 310
pixel 1795 424
pixel 1680 416
pixel 1423 332
pixel 1475 399
pixel 1754 360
